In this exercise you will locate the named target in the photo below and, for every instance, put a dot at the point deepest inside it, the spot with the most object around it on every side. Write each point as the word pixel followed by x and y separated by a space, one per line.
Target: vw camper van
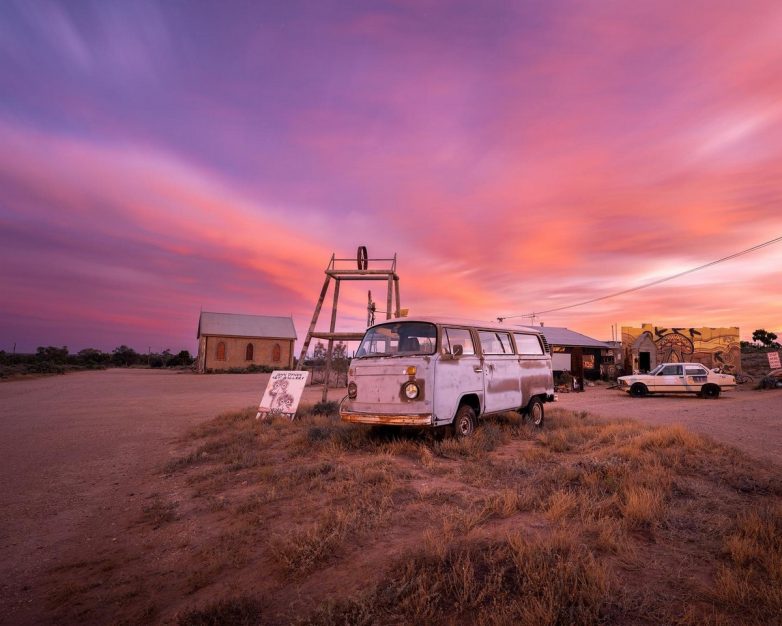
pixel 436 372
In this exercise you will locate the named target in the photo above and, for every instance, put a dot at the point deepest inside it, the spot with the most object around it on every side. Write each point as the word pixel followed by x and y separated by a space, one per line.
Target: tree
pixel 181 358
pixel 125 356
pixel 339 352
pixel 52 354
pixel 319 352
pixel 91 356
pixel 764 337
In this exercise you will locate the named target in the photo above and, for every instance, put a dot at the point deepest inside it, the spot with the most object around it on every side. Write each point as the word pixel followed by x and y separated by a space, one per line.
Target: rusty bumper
pixel 411 419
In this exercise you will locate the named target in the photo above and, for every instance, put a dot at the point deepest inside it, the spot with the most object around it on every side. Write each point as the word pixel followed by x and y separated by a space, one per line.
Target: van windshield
pixel 398 339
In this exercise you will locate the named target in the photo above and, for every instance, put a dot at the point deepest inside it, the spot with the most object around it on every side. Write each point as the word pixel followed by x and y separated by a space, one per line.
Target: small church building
pixel 230 340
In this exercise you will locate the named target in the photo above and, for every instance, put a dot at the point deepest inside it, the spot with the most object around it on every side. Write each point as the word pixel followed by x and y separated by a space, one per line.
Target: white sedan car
pixel 678 378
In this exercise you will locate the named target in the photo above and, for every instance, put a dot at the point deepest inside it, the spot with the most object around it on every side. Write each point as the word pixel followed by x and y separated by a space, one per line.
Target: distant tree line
pixel 54 360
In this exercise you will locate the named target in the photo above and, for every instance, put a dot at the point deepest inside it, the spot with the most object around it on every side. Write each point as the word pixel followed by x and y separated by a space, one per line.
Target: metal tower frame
pixel 362 271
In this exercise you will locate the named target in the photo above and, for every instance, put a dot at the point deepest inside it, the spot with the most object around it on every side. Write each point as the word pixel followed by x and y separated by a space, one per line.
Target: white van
pixel 435 372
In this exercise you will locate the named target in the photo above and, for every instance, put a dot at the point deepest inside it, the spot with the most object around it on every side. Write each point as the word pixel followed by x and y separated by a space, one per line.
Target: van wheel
pixel 712 392
pixel 464 422
pixel 639 390
pixel 534 412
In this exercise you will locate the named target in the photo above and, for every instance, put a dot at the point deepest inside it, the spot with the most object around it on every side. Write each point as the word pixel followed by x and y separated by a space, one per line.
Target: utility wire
pixel 645 285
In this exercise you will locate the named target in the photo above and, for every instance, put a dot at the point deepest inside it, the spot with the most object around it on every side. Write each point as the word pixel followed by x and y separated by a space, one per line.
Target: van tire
pixel 534 412
pixel 464 423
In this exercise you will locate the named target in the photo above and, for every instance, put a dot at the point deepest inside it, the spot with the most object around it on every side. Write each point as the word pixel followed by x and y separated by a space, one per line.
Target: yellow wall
pixel 235 351
pixel 711 346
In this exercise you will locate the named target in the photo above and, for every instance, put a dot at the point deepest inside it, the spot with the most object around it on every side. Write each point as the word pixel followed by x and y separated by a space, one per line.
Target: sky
pixel 162 158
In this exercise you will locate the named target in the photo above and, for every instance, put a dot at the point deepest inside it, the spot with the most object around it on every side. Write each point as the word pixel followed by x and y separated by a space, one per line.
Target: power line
pixel 645 285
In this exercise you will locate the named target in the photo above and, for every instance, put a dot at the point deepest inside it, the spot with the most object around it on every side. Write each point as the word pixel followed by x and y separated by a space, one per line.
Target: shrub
pixel 328 407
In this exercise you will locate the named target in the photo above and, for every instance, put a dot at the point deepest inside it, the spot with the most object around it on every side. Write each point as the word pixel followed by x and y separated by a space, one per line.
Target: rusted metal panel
pixel 411 419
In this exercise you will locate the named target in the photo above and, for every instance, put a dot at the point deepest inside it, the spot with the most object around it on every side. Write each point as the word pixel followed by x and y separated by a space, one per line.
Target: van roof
pixel 458 321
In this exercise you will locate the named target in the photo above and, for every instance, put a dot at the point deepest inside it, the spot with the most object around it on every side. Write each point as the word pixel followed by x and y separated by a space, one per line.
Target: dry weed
pixel 159 512
pixel 553 581
pixel 641 507
pixel 241 611
pixel 298 551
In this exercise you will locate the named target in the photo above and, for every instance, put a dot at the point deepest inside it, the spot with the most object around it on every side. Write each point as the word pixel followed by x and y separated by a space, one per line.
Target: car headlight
pixel 352 390
pixel 411 391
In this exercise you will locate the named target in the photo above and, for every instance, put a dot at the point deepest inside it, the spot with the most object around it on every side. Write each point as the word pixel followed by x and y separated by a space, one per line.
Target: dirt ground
pixel 748 419
pixel 78 452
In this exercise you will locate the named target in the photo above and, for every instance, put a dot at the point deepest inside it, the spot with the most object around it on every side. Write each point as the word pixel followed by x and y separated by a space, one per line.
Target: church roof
pixel 239 325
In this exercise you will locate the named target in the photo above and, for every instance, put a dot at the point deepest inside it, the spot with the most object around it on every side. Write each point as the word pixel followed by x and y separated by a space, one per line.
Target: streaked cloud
pixel 156 159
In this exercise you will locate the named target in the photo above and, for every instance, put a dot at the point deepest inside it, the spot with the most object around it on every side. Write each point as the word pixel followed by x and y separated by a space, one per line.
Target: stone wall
pixel 713 347
pixel 236 350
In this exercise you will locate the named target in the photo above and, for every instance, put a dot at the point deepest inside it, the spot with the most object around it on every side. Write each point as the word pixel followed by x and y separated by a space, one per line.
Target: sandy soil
pixel 748 419
pixel 76 453
pixel 79 452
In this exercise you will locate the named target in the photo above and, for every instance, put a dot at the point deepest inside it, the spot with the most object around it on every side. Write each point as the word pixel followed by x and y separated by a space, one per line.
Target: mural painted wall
pixel 714 347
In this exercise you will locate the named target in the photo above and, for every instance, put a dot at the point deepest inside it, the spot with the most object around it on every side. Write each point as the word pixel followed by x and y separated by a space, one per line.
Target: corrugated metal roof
pixel 237 325
pixel 559 336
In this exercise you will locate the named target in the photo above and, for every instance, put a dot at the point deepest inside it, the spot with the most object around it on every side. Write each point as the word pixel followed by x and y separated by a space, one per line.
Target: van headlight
pixel 352 390
pixel 411 390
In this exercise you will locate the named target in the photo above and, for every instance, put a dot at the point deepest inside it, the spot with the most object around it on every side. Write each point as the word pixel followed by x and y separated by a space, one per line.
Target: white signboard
pixel 773 360
pixel 282 394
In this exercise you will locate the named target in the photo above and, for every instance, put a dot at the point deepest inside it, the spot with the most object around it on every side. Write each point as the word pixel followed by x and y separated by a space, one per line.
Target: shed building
pixel 575 353
pixel 231 340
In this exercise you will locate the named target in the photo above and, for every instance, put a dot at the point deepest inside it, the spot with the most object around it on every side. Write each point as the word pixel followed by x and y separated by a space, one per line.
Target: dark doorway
pixel 578 368
pixel 644 361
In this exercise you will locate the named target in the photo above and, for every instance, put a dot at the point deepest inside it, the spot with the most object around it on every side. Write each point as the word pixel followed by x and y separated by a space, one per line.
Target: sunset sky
pixel 159 158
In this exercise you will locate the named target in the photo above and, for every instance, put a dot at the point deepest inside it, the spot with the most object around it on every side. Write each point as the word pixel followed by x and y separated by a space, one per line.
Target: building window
pixel 248 353
pixel 221 351
pixel 276 353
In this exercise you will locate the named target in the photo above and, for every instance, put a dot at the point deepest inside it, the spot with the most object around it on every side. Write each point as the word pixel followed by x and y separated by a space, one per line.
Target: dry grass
pixel 159 512
pixel 506 581
pixel 582 522
pixel 242 611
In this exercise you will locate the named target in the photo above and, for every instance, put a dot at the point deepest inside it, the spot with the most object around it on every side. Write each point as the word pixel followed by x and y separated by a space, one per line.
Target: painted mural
pixel 645 347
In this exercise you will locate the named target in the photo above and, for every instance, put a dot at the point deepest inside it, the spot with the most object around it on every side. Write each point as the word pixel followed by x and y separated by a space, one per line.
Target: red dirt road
pixel 76 450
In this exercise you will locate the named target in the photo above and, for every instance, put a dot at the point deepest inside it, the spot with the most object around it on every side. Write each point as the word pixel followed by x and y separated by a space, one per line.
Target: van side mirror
pixel 458 349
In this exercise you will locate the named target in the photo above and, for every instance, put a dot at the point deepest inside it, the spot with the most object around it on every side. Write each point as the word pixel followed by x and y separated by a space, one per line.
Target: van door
pixel 502 373
pixel 459 372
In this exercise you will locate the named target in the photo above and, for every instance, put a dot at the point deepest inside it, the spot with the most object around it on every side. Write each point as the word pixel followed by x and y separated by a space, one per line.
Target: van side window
pixel 528 344
pixel 495 343
pixel 458 336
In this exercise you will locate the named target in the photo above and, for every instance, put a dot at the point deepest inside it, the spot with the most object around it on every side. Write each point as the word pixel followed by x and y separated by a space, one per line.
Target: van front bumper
pixel 410 419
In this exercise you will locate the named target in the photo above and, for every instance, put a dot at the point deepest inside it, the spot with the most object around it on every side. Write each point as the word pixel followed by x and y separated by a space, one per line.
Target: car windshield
pixel 656 370
pixel 398 339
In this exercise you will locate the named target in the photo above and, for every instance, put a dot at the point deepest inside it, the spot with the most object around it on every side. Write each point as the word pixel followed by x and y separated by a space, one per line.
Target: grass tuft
pixel 241 611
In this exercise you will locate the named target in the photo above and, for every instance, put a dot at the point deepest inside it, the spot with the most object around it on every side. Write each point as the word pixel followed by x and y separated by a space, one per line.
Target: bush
pixel 326 408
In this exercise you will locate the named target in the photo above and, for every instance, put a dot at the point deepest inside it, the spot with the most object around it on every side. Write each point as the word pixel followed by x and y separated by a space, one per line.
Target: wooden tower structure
pixel 360 268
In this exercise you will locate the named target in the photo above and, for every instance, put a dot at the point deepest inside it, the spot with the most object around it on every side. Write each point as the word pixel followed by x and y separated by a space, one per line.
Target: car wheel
pixel 464 422
pixel 712 392
pixel 639 390
pixel 534 412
